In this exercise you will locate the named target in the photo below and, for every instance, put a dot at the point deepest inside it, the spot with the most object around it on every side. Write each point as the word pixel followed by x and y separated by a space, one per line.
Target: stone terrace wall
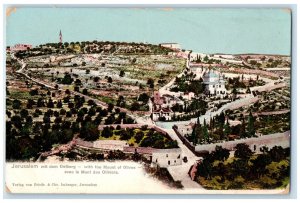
pixel 277 139
pixel 186 142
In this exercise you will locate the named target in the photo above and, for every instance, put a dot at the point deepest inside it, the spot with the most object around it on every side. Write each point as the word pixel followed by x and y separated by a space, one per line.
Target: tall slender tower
pixel 60 37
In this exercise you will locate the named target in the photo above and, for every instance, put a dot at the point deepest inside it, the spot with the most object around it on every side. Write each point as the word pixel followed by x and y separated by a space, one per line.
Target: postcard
pixel 148 100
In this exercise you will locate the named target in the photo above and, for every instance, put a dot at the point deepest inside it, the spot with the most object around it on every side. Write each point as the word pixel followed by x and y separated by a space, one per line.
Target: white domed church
pixel 214 83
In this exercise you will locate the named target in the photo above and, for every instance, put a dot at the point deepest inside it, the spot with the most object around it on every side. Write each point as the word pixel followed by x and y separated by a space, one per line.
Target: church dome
pixel 211 74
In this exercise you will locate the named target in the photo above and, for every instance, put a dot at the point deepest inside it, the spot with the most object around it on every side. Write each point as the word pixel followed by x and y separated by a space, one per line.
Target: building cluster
pixel 160 106
pixel 20 47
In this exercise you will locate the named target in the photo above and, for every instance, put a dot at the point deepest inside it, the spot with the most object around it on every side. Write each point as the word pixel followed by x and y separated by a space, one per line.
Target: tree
pixel 144 98
pixel 103 112
pixel 125 135
pixel 194 136
pixel 67 80
pixel 242 151
pixel 62 112
pixel 221 118
pixel 89 131
pixel 30 103
pixel 109 80
pixel 106 132
pixel 78 82
pixel 66 99
pixel 277 153
pixel 239 167
pixel 24 113
pixel 92 112
pixel 34 92
pixel 159 144
pixel 205 58
pixel 122 73
pixel 251 128
pixel 139 136
pixel 259 165
pixel 220 153
pixel 50 104
pixel 150 82
pixel 76 88
pixel 59 104
pixel 204 169
pixel 91 102
pixel 16 104
pixel 17 121
pixel 248 91
pixel 56 114
pixel 46 119
pixel 68 91
pixel 58 120
pixel 8 113
pixel 227 129
pixel 85 91
pixel 110 107
pixel 205 132
pixel 96 79
pixel 135 106
pixel 242 132
pixel 109 120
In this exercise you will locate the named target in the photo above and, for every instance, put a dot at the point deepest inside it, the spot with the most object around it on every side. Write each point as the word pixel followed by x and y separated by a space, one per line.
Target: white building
pixel 174 46
pixel 162 113
pixel 188 96
pixel 214 83
pixel 160 107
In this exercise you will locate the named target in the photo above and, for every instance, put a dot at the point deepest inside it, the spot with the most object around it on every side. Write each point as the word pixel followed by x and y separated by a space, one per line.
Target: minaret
pixel 60 37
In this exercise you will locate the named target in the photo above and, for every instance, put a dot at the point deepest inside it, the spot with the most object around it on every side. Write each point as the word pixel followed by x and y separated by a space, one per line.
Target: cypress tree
pixel 226 129
pixel 194 136
pixel 251 129
pixel 242 132
pixel 205 132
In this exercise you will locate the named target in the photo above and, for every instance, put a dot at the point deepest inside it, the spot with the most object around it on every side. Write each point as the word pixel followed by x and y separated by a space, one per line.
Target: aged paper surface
pixel 148 101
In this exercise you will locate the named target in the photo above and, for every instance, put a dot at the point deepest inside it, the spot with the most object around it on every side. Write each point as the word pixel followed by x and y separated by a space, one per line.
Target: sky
pixel 205 30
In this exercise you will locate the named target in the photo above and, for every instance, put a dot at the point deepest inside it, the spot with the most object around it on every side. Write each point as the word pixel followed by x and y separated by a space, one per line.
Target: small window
pixel 166 155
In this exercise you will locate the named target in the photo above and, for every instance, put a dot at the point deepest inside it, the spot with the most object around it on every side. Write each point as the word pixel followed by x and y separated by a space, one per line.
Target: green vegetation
pixel 238 82
pixel 143 137
pixel 50 118
pixel 273 124
pixel 187 84
pixel 219 129
pixel 269 170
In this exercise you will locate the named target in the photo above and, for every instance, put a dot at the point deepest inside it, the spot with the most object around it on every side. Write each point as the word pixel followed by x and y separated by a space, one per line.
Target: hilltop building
pixel 20 47
pixel 174 46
